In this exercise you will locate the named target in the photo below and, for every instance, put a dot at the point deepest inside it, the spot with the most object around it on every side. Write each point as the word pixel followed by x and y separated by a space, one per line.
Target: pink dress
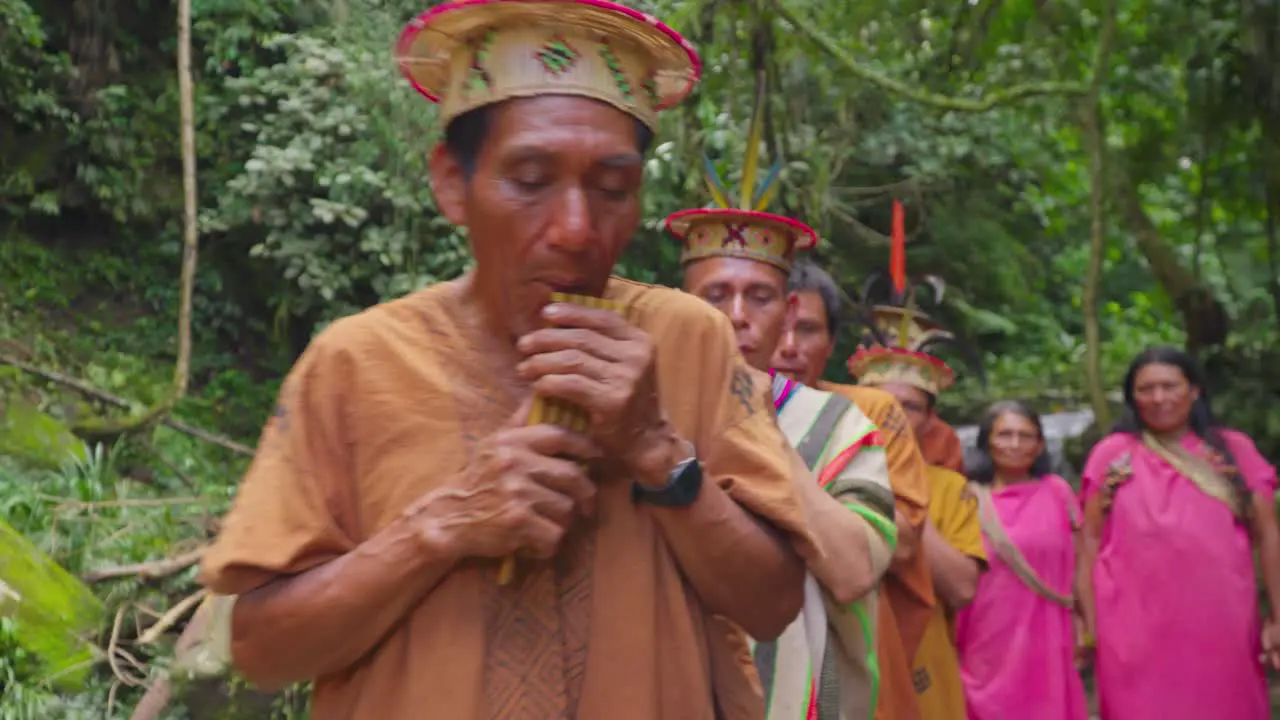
pixel 1017 648
pixel 1176 593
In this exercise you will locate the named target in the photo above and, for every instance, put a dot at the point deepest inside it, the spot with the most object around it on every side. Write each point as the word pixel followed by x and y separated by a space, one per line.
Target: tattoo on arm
pixel 743 388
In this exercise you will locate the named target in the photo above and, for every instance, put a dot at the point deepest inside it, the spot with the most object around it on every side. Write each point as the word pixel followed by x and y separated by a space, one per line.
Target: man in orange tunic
pixel 907 596
pixel 953 539
pixel 940 445
pixel 400 468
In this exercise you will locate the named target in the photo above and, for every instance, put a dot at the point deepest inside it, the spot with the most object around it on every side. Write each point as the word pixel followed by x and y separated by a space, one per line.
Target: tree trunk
pixel 1203 315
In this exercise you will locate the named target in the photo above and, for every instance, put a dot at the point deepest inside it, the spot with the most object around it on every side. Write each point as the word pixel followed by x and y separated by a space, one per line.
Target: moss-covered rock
pixel 35 439
pixel 56 614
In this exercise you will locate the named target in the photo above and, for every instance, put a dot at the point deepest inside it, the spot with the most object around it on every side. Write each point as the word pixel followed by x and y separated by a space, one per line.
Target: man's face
pixel 751 293
pixel 915 402
pixel 553 202
pixel 806 342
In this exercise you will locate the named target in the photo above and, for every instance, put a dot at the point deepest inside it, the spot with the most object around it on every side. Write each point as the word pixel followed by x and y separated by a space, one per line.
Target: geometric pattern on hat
pixel 471 53
pixel 750 234
pixel 878 365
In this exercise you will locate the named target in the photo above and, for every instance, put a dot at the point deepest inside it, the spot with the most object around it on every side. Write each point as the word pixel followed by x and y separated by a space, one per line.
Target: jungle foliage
pixel 1101 170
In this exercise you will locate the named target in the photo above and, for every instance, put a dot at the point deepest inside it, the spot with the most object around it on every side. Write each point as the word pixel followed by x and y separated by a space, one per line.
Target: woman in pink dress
pixel 1017 641
pixel 1174 508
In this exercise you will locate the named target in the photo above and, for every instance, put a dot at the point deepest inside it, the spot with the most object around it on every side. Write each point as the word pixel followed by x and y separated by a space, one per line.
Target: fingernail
pixel 551 310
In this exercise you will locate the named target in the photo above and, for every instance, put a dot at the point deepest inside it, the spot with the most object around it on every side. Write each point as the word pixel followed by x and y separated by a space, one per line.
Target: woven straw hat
pixel 749 234
pixel 470 53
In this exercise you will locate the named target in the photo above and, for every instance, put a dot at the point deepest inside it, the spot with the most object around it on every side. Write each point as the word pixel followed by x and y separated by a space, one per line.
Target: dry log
pixel 148 570
pixel 98 394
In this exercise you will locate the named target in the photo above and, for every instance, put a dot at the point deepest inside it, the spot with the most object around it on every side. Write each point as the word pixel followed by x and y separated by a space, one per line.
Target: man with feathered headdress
pixel 408 461
pixel 736 256
pixel 895 359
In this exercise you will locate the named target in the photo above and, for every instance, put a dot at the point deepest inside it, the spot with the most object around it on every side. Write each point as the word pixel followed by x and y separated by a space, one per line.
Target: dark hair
pixel 465 135
pixel 1201 420
pixel 984 470
pixel 807 277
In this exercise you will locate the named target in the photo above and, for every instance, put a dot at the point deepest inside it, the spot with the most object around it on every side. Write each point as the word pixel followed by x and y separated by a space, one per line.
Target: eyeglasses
pixel 1008 437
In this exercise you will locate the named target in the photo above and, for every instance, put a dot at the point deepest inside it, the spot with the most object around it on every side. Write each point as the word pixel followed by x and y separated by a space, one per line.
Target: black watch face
pixel 681 490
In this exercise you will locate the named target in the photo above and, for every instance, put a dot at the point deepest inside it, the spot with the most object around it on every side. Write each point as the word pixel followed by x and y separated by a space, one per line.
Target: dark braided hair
pixel 984 470
pixel 1201 420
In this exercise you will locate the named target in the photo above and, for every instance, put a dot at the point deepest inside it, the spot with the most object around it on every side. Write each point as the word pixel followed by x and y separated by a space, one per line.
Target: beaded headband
pixel 746 231
pixel 470 53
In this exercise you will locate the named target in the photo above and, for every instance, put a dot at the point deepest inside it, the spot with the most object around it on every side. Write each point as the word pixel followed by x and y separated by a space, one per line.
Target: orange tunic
pixel 386 404
pixel 907 599
pixel 941 446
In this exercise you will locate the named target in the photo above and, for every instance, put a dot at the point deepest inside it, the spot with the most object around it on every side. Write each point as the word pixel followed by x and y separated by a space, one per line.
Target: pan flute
pixel 553 411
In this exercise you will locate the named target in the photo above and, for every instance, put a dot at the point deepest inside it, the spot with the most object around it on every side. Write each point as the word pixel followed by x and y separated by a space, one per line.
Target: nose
pixel 787 348
pixel 571 225
pixel 738 312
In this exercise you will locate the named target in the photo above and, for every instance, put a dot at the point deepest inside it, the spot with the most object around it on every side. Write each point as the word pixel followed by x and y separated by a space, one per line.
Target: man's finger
pixel 567 478
pixel 520 417
pixel 555 441
pixel 548 503
pixel 605 322
pixel 589 341
pixel 563 362
pixel 540 537
pixel 584 392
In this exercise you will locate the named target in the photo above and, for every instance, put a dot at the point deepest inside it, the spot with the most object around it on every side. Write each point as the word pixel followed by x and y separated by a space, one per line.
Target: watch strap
pixel 684 483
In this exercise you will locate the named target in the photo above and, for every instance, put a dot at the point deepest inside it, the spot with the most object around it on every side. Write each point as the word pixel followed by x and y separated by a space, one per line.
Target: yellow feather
pixel 751 162
pixel 767 197
pixel 716 196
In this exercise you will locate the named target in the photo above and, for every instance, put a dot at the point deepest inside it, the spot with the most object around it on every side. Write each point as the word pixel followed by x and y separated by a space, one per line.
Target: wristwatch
pixel 682 488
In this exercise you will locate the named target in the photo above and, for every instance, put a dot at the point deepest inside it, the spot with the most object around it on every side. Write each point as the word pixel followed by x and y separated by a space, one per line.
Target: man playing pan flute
pixel 400 467
pixel 953 538
pixel 737 260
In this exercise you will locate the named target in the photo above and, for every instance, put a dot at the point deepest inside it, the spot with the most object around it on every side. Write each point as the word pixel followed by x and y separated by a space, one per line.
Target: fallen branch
pixel 98 394
pixel 171 617
pixel 942 102
pixel 70 504
pixel 152 570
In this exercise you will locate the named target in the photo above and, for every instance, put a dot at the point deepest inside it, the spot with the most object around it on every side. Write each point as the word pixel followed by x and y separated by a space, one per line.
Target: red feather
pixel 898 249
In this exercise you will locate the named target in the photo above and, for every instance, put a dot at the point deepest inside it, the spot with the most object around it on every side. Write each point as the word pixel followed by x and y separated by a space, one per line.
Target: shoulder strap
pixel 1199 470
pixel 815 440
pixel 1009 553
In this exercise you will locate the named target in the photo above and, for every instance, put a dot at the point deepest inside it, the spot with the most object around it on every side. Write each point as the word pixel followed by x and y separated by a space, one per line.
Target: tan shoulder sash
pixel 1198 470
pixel 1009 553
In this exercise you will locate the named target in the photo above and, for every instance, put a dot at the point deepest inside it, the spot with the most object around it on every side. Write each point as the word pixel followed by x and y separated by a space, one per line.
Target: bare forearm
pixel 847 568
pixel 325 619
pixel 1088 541
pixel 738 565
pixel 1084 582
pixel 955 575
pixel 1269 558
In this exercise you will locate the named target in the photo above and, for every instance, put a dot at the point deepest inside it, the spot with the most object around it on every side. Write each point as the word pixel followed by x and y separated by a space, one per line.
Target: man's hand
pixel 520 492
pixel 594 359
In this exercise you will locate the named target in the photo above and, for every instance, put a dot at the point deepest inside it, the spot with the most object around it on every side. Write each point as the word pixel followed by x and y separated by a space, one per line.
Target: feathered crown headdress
pixel 897 348
pixel 745 231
